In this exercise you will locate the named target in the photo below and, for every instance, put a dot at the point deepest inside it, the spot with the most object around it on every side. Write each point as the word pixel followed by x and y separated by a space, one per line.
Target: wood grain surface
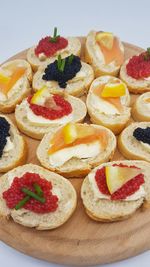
pixel 81 241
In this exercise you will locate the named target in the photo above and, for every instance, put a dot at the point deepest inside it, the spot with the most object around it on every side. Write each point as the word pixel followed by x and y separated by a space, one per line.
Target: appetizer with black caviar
pixel 68 75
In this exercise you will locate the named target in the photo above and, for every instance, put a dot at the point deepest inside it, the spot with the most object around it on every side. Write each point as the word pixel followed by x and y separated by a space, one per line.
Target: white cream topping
pixel 56 191
pixel 82 151
pixel 39 120
pixel 147 79
pixel 103 106
pixel 80 75
pixel 99 195
pixel 9 145
pixel 145 146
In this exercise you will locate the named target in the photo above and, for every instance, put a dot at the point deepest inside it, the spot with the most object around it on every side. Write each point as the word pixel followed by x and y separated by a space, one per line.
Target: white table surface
pixel 23 23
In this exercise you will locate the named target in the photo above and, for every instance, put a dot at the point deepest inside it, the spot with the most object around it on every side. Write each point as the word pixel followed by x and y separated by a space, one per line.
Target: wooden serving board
pixel 80 241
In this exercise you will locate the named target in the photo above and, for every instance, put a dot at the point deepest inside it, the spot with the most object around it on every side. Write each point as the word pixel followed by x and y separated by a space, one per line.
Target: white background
pixel 23 23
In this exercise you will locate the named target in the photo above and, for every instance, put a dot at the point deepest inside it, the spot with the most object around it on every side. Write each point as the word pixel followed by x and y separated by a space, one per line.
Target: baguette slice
pixel 141 108
pixel 61 187
pixel 17 155
pixel 20 89
pixel 105 210
pixel 78 86
pixel 130 147
pixel 74 47
pixel 37 131
pixel 135 86
pixel 115 122
pixel 94 56
pixel 76 167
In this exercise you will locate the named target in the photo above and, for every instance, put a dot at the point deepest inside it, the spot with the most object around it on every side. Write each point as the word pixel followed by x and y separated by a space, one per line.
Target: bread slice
pixel 20 89
pixel 115 122
pixel 78 86
pixel 129 146
pixel 38 131
pixel 17 155
pixel 135 86
pixel 61 187
pixel 105 210
pixel 76 167
pixel 141 108
pixel 94 56
pixel 74 47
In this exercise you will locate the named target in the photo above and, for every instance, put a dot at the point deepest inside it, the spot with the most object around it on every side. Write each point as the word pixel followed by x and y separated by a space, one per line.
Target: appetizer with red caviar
pixel 69 75
pixel 44 112
pixel 35 197
pixel 13 149
pixel 108 103
pixel 15 79
pixel 105 52
pixel 114 191
pixel 135 72
pixel 50 47
pixel 76 148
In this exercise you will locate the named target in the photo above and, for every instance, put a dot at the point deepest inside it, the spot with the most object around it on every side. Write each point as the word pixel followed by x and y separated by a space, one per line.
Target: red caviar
pixel 139 66
pixel 14 194
pixel 64 108
pixel 126 190
pixel 50 48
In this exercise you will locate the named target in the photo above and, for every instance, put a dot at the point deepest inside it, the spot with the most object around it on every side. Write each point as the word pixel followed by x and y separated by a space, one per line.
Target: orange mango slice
pixel 111 49
pixel 5 86
pixel 72 135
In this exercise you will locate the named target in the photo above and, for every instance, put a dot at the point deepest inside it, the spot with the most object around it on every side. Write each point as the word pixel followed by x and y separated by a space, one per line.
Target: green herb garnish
pixel 32 194
pixel 147 54
pixel 55 36
pixel 22 202
pixel 70 59
pixel 61 63
pixel 38 190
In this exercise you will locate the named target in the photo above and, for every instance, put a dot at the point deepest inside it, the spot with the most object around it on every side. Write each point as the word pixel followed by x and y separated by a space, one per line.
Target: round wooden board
pixel 81 241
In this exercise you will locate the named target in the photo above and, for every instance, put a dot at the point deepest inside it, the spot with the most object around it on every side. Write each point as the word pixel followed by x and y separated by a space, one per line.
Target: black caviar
pixel 142 134
pixel 52 73
pixel 4 133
